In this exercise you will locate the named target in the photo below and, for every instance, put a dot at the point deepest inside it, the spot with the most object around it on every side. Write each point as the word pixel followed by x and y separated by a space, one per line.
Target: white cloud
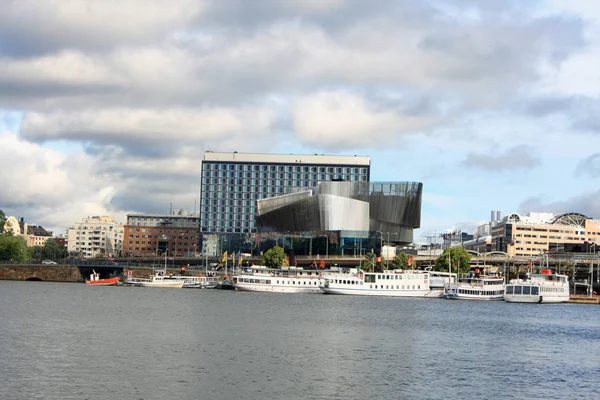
pixel 346 120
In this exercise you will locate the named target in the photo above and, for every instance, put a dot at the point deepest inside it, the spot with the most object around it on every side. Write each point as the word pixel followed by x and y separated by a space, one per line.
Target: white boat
pixel 160 279
pixel 258 278
pixel 476 287
pixel 199 282
pixel 394 283
pixel 538 288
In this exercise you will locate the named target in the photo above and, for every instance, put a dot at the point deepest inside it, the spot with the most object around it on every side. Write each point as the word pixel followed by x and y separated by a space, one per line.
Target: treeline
pixel 14 248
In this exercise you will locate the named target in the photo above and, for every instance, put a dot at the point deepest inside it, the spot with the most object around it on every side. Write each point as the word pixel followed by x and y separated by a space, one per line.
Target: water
pixel 70 341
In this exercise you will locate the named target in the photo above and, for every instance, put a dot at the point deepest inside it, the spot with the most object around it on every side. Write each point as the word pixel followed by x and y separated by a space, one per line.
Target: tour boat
pixel 476 287
pixel 198 282
pixel 393 283
pixel 160 279
pixel 95 280
pixel 538 288
pixel 280 280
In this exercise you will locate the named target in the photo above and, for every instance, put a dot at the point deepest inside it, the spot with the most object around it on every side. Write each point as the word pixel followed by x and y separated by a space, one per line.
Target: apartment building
pixel 98 236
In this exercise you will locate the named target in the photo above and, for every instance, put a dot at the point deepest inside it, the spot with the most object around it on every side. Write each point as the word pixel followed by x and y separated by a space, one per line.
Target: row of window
pixel 533 290
pixel 370 278
pixel 207 168
pixel 481 292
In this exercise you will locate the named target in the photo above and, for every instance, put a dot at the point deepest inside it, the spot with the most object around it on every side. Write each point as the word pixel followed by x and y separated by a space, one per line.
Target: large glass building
pixel 233 182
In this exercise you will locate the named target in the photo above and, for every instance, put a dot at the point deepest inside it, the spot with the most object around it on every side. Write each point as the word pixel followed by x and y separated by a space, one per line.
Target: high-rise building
pixel 233 182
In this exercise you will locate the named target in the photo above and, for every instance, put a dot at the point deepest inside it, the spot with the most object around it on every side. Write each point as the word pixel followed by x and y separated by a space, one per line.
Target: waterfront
pixel 70 341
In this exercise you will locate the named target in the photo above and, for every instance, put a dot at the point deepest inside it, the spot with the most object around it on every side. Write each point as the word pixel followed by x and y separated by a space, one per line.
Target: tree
pixel 274 257
pixel 14 248
pixel 458 256
pixel 368 262
pixel 400 261
pixel 52 250
pixel 2 221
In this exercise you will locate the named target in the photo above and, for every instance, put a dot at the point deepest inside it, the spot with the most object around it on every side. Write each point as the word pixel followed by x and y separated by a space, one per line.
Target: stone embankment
pixel 39 272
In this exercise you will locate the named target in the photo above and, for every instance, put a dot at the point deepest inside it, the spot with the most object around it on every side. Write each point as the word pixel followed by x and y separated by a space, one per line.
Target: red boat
pixel 95 280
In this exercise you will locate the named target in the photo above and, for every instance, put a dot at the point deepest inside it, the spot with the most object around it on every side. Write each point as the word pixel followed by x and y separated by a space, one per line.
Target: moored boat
pixel 161 280
pixel 476 287
pixel 97 281
pixel 258 278
pixel 393 283
pixel 546 287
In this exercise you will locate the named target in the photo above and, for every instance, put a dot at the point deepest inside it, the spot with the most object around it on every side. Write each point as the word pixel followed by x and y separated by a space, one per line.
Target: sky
pixel 107 107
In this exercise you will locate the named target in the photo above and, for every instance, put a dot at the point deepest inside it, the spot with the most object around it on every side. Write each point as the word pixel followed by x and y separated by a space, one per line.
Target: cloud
pixel 514 158
pixel 587 203
pixel 346 120
pixel 29 27
pixel 115 125
pixel 51 187
pixel 590 166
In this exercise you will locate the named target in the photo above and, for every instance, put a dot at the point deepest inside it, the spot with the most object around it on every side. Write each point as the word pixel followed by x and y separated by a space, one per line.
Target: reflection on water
pixel 70 341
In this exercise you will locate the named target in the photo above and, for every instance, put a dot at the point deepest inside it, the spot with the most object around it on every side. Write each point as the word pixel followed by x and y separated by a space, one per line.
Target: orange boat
pixel 95 280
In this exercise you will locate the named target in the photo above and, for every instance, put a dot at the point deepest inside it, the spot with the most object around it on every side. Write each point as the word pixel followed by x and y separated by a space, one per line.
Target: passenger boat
pixel 393 283
pixel 258 278
pixel 160 279
pixel 476 287
pixel 538 288
pixel 95 280
pixel 198 282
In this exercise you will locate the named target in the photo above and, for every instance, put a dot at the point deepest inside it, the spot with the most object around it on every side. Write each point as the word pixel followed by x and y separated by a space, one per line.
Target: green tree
pixel 2 221
pixel 274 257
pixel 52 250
pixel 14 248
pixel 458 256
pixel 368 262
pixel 400 261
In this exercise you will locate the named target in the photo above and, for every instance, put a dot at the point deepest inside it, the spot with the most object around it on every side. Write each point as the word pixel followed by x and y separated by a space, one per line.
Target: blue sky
pixel 107 107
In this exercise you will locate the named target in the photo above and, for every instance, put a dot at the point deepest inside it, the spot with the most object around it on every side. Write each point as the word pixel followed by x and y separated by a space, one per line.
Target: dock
pixel 584 299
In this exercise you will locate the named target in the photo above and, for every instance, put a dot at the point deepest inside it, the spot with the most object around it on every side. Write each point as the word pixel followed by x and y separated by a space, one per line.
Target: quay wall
pixel 39 272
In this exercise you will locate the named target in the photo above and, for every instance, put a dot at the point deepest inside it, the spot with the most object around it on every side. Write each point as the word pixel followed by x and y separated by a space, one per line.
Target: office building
pixel 175 234
pixel 537 233
pixel 233 182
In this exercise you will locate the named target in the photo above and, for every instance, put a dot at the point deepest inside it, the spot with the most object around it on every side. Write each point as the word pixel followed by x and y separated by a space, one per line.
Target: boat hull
pixel 163 284
pixel 436 293
pixel 277 288
pixel 103 282
pixel 535 299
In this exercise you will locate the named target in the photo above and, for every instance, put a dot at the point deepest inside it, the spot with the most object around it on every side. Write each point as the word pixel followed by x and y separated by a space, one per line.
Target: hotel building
pixel 232 183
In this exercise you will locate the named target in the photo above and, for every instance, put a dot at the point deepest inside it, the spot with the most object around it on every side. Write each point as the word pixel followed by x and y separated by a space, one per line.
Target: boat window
pixel 509 290
pixel 535 290
pixel 526 289
pixel 517 289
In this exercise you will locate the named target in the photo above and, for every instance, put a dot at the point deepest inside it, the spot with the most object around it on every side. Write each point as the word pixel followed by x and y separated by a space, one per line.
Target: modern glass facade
pixel 233 182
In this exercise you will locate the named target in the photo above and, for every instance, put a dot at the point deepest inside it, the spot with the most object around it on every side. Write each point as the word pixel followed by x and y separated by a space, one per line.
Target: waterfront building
pixel 176 234
pixel 537 233
pixel 34 235
pixel 232 183
pixel 98 236
pixel 347 213
pixel 37 235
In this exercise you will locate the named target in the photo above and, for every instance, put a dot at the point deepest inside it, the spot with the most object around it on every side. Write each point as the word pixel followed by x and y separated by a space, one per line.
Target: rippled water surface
pixel 70 341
